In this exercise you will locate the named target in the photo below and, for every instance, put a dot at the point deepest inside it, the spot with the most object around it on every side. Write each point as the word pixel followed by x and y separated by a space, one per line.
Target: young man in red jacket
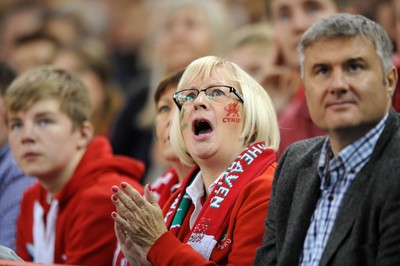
pixel 64 219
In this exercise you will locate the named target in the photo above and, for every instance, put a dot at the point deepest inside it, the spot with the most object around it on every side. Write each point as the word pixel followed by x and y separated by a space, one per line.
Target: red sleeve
pixel 162 187
pixel 24 238
pixel 246 229
pixel 168 250
pixel 24 228
pixel 91 239
pixel 249 219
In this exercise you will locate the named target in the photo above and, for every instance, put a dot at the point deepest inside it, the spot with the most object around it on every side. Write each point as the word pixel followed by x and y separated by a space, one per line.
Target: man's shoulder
pixel 300 155
pixel 302 148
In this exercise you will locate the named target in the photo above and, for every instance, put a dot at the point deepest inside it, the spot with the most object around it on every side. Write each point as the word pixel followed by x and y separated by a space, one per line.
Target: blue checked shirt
pixel 13 183
pixel 342 171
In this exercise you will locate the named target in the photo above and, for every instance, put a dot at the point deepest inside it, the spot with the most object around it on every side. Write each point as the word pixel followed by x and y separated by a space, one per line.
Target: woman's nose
pixel 201 101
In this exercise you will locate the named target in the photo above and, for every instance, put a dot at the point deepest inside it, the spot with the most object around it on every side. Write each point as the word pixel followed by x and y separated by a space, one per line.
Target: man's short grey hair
pixel 349 26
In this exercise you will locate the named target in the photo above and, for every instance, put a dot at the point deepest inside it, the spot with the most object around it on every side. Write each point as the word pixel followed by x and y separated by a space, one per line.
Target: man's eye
pixel 323 71
pixel 355 67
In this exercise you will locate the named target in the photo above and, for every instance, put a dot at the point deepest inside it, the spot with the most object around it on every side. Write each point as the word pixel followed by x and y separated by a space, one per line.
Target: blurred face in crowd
pixel 293 17
pixel 397 9
pixel 165 109
pixel 255 58
pixel 346 89
pixel 17 24
pixel 185 37
pixel 62 29
pixel 385 15
pixel 29 55
pixel 72 63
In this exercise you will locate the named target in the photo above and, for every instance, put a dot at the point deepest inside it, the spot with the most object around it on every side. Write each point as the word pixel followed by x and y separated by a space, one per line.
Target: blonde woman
pixel 226 125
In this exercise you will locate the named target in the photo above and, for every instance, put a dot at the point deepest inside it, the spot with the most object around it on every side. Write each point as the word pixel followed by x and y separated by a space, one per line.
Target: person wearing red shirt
pixel 64 217
pixel 291 18
pixel 170 180
pixel 165 185
pixel 227 126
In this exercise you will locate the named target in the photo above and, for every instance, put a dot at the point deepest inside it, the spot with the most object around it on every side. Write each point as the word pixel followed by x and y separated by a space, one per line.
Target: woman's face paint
pixel 232 114
pixel 185 125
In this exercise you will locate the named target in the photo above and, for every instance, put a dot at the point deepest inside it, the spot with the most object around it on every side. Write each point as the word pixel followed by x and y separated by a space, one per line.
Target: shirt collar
pixel 356 155
pixel 196 189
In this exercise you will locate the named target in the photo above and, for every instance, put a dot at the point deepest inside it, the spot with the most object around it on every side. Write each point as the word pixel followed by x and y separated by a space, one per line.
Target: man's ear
pixel 85 134
pixel 391 81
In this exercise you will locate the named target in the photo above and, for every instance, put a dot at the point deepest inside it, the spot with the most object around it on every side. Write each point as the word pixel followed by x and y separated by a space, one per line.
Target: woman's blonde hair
pixel 259 117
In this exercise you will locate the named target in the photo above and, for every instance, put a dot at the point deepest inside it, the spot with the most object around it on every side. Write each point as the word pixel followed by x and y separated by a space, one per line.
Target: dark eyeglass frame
pixel 231 90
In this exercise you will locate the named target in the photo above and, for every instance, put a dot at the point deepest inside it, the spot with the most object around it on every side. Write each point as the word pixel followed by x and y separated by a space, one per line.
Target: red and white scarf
pixel 212 221
pixel 165 185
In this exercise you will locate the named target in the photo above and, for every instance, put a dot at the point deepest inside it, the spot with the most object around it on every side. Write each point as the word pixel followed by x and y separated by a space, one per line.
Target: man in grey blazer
pixel 336 199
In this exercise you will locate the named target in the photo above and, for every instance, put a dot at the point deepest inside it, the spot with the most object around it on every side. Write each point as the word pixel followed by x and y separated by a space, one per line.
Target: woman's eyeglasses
pixel 216 93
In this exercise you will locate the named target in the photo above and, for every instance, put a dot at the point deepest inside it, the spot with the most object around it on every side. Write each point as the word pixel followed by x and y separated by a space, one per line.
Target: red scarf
pixel 213 219
pixel 163 186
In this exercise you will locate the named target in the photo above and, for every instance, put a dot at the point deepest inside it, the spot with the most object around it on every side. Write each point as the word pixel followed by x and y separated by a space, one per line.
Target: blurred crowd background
pixel 123 48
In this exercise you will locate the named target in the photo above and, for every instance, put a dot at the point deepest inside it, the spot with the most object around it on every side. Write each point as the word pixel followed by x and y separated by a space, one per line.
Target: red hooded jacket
pixel 84 228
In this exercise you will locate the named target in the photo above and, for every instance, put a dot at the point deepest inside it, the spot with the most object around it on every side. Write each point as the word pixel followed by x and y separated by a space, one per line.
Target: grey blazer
pixel 367 227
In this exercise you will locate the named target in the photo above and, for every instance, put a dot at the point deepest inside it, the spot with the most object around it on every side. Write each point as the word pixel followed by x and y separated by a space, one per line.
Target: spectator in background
pixel 88 60
pixel 19 19
pixel 171 179
pixel 396 56
pixel 183 30
pixel 291 18
pixel 246 11
pixel 128 26
pixel 63 217
pixel 64 25
pixel 381 11
pixel 13 182
pixel 253 47
pixel 32 50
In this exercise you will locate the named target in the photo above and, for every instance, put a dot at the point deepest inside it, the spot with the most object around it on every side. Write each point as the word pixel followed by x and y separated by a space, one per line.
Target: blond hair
pixel 259 116
pixel 47 82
